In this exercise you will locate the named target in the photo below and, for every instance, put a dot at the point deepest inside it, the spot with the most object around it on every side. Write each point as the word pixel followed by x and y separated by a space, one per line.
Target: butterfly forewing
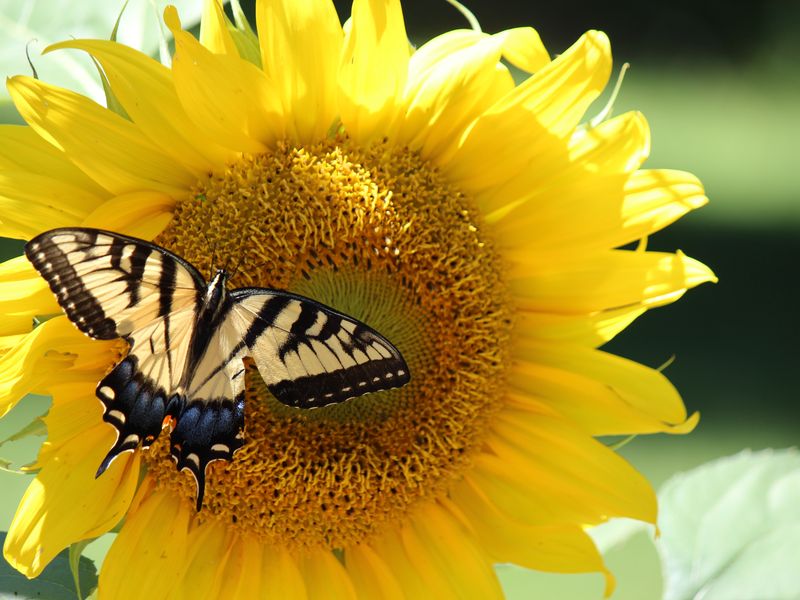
pixel 311 355
pixel 111 285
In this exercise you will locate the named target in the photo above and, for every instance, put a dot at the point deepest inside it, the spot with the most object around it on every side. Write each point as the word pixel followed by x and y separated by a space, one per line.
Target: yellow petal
pixel 533 122
pixel 556 548
pixel 370 574
pixel 73 410
pixel 578 475
pixel 301 42
pixel 110 149
pixel 435 50
pixel 447 556
pixel 9 342
pixel 22 149
pixel 325 577
pixel 603 213
pixel 65 503
pixel 30 366
pixel 140 214
pixel 282 577
pixel 23 295
pixel 32 203
pixel 242 576
pixel 598 389
pixel 149 556
pixel 390 548
pixel 576 180
pixel 608 280
pixel 145 89
pixel 584 330
pixel 539 494
pixel 229 97
pixel 205 564
pixel 656 198
pixel 373 68
pixel 524 49
pixel 452 94
pixel 214 33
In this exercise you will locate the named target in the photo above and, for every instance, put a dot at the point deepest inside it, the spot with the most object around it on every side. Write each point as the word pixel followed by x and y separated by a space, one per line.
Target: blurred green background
pixel 720 88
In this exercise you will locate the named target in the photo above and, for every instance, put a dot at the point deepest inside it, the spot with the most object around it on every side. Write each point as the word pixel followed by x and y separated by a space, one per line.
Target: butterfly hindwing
pixel 310 355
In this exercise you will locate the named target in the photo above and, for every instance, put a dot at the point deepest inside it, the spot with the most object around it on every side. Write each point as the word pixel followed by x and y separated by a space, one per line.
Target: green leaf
pixel 55 582
pixel 243 35
pixel 730 528
pixel 524 584
pixel 34 428
pixel 629 551
pixel 75 555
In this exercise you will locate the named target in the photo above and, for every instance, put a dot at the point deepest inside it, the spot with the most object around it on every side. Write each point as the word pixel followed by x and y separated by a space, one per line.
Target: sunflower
pixel 474 222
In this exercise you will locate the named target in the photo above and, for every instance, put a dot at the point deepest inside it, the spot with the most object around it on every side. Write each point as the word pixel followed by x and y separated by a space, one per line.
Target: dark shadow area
pixel 735 343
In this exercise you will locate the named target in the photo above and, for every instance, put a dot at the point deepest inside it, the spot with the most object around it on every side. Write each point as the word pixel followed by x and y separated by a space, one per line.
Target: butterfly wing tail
pixel 207 431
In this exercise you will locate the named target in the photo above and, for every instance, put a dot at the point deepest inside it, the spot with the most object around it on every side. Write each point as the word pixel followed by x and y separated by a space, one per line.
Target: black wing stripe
pixel 166 282
pixel 266 317
pixel 331 326
pixel 80 305
pixel 314 391
pixel 138 261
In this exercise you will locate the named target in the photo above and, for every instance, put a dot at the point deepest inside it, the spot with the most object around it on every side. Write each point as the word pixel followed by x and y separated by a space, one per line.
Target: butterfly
pixel 187 340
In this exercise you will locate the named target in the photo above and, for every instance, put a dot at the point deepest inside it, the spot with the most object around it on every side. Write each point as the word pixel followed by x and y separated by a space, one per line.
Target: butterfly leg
pixel 207 430
pixel 132 406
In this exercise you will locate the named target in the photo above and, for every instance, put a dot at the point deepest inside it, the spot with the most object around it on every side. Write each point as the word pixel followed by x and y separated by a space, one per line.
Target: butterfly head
pixel 216 292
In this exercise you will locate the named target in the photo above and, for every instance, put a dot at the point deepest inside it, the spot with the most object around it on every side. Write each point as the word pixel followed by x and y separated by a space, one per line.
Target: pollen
pixel 381 235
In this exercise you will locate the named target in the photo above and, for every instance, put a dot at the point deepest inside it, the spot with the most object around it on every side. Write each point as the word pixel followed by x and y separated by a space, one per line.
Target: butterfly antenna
pixel 239 262
pixel 213 250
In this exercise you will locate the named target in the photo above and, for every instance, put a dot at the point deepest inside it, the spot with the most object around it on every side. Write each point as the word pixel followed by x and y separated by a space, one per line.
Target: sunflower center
pixel 380 235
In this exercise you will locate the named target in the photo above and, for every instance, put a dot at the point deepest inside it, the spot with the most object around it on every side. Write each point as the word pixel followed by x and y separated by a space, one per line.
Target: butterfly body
pixel 188 338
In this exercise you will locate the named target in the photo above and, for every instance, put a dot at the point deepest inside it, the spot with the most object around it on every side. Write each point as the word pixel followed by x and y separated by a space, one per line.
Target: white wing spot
pixel 117 415
pixel 329 395
pixel 220 448
pixel 376 379
pixel 194 459
pixel 362 383
pixel 108 392
pixel 400 373
pixel 347 389
pixel 389 375
pixel 132 438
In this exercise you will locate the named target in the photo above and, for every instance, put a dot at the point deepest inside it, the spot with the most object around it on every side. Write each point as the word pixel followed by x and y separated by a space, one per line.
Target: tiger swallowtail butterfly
pixel 187 340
